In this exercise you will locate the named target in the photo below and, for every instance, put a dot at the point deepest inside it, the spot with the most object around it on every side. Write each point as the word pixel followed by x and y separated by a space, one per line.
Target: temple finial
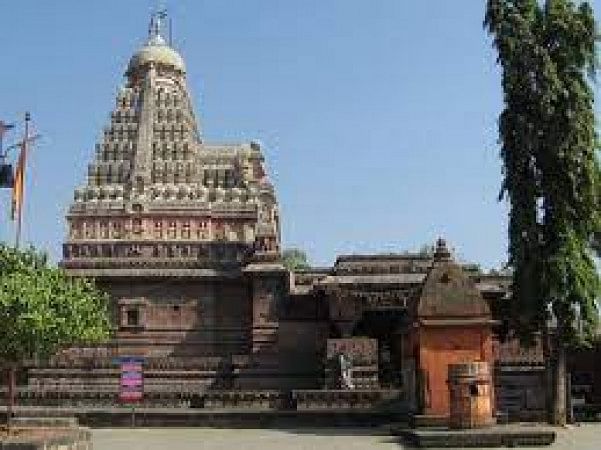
pixel 155 28
pixel 442 252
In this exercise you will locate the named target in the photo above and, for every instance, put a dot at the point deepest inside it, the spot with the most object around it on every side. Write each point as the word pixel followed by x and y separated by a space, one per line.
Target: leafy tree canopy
pixel 546 51
pixel 41 309
pixel 295 259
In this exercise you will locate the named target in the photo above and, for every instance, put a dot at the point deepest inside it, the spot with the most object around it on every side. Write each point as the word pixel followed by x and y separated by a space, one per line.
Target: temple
pixel 182 233
pixel 184 236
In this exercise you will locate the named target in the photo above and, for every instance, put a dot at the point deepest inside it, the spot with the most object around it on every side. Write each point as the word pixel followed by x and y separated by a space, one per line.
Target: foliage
pixel 41 309
pixel 295 259
pixel 550 166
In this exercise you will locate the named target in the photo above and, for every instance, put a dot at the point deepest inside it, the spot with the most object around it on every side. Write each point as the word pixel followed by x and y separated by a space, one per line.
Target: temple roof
pixel 448 291
pixel 155 188
pixel 401 278
pixel 158 53
pixel 383 257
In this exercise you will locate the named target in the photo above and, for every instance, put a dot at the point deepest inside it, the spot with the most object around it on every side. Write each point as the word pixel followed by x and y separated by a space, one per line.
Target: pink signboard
pixel 131 386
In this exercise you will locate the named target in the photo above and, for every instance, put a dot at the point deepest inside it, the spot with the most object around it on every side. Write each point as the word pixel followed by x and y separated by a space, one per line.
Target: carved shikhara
pixel 156 189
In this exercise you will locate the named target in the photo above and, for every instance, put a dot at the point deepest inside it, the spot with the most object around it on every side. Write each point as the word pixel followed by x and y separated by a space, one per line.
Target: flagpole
pixel 20 212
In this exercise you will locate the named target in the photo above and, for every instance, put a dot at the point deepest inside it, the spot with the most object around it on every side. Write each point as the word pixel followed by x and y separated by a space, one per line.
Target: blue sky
pixel 378 118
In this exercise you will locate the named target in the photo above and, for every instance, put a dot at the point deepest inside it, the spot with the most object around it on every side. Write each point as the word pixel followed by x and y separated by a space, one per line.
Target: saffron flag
pixel 17 200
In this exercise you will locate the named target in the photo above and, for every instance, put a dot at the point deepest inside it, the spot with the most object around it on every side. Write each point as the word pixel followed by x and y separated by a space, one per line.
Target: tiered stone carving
pixel 155 182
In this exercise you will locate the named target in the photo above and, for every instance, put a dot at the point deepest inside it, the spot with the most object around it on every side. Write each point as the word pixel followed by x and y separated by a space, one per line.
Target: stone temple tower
pixel 183 234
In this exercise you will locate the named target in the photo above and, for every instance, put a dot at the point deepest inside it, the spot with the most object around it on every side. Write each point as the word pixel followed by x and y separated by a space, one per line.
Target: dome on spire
pixel 156 51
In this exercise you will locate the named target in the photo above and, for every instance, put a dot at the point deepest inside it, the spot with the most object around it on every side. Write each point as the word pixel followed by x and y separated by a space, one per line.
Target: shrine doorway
pixel 387 326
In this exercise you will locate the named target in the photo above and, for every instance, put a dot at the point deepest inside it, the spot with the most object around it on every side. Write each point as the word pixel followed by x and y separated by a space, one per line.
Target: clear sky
pixel 378 118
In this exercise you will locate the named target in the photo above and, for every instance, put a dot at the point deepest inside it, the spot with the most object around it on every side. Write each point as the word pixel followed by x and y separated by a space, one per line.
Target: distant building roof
pixel 401 278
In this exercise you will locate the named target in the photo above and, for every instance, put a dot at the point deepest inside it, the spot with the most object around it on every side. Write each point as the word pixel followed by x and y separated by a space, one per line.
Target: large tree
pixel 546 51
pixel 42 310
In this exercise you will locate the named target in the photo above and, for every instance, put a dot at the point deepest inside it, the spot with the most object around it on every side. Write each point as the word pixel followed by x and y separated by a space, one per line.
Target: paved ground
pixel 585 437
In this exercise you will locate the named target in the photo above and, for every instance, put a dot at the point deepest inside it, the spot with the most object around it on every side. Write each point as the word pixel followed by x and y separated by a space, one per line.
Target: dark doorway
pixel 385 325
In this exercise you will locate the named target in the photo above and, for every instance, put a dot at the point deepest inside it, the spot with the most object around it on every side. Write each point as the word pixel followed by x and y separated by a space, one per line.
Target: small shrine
pixel 452 326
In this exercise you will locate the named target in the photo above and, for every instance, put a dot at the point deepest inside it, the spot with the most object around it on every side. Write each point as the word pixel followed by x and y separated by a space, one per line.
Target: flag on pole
pixel 17 200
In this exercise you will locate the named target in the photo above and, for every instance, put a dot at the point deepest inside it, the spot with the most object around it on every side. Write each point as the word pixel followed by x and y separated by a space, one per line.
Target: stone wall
pixel 301 350
pixel 442 346
pixel 520 392
pixel 180 317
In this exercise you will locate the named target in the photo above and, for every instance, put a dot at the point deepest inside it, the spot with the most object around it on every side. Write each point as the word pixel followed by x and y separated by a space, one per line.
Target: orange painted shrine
pixel 452 325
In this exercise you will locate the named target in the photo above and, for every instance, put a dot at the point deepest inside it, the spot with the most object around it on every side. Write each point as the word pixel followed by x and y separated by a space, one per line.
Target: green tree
pixel 295 259
pixel 551 172
pixel 42 310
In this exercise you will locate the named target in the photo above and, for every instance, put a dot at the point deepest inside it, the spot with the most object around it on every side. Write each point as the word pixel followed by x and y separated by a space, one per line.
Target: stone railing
pixel 243 399
pixel 334 399
pixel 193 395
pixel 90 359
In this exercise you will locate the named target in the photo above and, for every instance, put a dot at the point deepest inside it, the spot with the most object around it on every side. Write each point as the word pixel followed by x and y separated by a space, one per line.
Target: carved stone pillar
pixel 268 284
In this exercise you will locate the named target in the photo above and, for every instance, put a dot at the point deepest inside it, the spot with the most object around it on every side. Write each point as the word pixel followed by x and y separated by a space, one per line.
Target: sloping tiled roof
pixel 449 292
pixel 399 278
